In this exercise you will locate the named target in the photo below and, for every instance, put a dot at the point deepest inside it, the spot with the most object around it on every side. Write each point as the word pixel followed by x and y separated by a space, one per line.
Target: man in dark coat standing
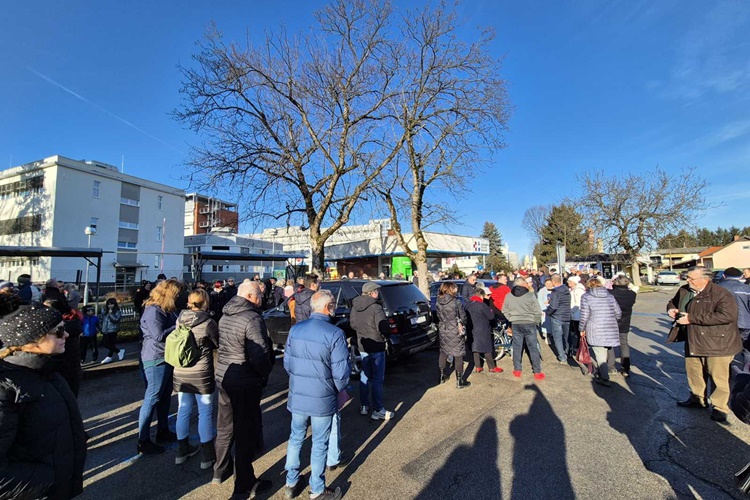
pixel 243 364
pixel 733 282
pixel 302 304
pixel 470 286
pixel 705 317
pixel 558 313
pixel 625 298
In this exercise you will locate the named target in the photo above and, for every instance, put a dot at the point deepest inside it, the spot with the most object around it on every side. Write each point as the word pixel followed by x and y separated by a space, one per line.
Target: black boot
pixel 460 382
pixel 443 376
pixel 184 451
pixel 625 366
pixel 208 455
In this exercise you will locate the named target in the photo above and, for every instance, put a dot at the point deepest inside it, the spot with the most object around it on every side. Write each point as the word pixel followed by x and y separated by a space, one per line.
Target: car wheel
pixel 355 360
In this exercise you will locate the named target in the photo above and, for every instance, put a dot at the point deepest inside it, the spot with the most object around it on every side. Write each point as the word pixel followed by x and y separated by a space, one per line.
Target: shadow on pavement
pixel 540 468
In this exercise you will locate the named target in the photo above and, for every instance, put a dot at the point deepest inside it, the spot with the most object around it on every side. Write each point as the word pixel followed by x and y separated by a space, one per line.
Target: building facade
pixel 50 202
pixel 204 214
pixel 234 246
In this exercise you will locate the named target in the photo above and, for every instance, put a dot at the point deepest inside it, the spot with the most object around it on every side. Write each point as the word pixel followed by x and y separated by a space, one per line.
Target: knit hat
pixel 27 325
pixel 369 287
pixel 730 272
pixel 574 279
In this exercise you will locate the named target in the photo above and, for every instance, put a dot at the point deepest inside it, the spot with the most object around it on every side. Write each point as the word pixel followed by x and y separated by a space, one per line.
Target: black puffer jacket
pixel 302 305
pixel 739 400
pixel 42 442
pixel 199 378
pixel 449 310
pixel 625 298
pixel 368 320
pixel 245 355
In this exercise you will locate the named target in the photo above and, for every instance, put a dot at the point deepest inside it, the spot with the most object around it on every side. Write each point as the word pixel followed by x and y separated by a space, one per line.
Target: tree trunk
pixel 636 272
pixel 421 261
pixel 317 256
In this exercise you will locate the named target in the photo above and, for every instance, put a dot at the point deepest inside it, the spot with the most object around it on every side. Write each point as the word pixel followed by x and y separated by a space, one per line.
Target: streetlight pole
pixel 89 231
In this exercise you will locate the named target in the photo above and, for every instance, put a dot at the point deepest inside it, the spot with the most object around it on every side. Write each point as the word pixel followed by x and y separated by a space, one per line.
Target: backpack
pixel 180 349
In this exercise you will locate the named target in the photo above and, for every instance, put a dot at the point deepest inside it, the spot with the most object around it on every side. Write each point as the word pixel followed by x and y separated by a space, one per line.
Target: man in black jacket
pixel 368 320
pixel 558 312
pixel 302 305
pixel 625 298
pixel 242 367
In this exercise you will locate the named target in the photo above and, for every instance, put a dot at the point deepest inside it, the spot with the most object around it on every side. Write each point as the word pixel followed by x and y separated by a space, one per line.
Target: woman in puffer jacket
pixel 599 315
pixel 452 332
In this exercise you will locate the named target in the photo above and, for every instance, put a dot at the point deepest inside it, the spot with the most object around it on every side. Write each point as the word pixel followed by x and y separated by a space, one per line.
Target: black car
pixel 406 309
pixel 435 288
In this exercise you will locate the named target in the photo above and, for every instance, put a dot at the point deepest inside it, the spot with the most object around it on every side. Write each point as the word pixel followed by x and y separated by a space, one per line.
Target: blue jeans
pixel 205 404
pixel 371 378
pixel 560 334
pixel 334 449
pixel 321 432
pixel 527 334
pixel 157 396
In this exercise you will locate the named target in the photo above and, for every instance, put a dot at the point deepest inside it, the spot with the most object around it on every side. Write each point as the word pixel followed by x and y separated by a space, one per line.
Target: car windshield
pixel 402 295
pixel 668 273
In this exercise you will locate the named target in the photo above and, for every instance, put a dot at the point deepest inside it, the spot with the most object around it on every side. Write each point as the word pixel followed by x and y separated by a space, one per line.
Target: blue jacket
pixel 559 303
pixel 599 315
pixel 741 292
pixel 156 325
pixel 317 359
pixel 90 325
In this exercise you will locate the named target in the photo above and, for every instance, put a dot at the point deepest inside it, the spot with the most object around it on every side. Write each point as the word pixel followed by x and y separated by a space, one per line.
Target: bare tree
pixel 453 110
pixel 632 211
pixel 534 220
pixel 298 126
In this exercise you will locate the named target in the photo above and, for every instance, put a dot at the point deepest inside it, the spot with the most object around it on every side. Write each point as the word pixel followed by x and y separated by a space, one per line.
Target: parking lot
pixel 563 437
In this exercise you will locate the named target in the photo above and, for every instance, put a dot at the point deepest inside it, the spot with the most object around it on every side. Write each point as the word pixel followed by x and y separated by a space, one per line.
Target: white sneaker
pixel 106 360
pixel 364 410
pixel 382 415
pixel 121 354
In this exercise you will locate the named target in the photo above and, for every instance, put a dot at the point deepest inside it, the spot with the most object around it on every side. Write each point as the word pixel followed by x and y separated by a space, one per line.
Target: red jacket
pixel 497 295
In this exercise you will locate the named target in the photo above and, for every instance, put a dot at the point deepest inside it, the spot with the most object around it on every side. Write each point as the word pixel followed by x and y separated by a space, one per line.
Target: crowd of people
pixel 226 354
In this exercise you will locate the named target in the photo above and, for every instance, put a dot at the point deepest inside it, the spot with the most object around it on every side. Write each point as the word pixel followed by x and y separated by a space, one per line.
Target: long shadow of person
pixel 540 468
pixel 695 455
pixel 470 471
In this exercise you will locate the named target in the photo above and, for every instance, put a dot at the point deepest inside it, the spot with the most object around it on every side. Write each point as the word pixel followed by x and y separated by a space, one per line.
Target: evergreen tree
pixel 563 224
pixel 495 261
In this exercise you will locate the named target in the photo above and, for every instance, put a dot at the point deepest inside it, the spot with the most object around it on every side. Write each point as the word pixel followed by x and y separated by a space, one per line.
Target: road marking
pixel 132 459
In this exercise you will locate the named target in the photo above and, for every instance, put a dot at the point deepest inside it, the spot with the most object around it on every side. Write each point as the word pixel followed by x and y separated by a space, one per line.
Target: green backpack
pixel 181 349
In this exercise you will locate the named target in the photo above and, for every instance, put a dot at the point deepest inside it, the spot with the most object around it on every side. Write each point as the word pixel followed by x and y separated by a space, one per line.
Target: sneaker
pixel 691 402
pixel 259 486
pixel 364 410
pixel 185 450
pixel 562 361
pixel 343 462
pixel 382 414
pixel 106 360
pixel 290 491
pixel 603 381
pixel 497 369
pixel 121 354
pixel 149 448
pixel 166 436
pixel 517 373
pixel 539 376
pixel 328 494
pixel 719 416
pixel 479 370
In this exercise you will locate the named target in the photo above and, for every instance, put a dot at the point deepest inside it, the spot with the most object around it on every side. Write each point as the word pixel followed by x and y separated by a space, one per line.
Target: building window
pixel 128 201
pixel 245 250
pixel 94 221
pixel 20 225
pixel 243 268
pixel 128 225
pixel 159 201
pixel 95 191
pixel 217 269
pixel 220 248
pixel 157 261
pixel 126 244
pixel 158 233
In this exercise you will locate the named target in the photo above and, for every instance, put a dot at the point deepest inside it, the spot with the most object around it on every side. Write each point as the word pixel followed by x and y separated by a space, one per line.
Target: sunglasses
pixel 59 332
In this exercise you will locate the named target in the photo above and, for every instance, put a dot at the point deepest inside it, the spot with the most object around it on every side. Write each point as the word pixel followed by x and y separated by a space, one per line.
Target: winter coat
pixel 230 291
pixel 199 378
pixel 625 298
pixel 42 441
pixel 559 304
pixel 368 320
pixel 575 301
pixel 24 293
pixel 278 296
pixel 449 312
pixel 90 325
pixel 468 290
pixel 741 293
pixel 302 305
pixel 739 400
pixel 245 355
pixel 74 299
pixel 216 304
pixel 521 307
pixel 316 357
pixel 155 325
pixel 713 322
pixel 111 322
pixel 479 325
pixel 498 293
pixel 599 316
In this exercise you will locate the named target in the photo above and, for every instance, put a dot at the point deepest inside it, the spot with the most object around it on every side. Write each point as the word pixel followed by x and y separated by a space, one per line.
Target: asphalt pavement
pixel 563 437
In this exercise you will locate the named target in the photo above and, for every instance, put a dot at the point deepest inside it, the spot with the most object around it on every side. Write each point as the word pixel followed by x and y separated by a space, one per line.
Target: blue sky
pixel 624 85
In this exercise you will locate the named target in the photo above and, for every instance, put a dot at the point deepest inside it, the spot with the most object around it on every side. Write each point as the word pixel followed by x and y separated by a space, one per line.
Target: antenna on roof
pixel 122 165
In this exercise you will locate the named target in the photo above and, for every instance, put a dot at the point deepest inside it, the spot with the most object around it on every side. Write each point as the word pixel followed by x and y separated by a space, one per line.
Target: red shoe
pixel 479 370
pixel 497 369
pixel 517 373
pixel 539 376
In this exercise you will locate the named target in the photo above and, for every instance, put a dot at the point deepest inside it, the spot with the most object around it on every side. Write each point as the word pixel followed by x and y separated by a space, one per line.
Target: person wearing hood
pixel 196 384
pixel 480 321
pixel 302 305
pixel 600 314
pixel 625 298
pixel 368 320
pixel 558 313
pixel 522 309
pixel 576 292
pixel 42 441
pixel 451 332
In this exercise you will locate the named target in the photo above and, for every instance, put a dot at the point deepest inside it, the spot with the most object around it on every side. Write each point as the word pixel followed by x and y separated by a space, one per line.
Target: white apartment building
pixel 49 203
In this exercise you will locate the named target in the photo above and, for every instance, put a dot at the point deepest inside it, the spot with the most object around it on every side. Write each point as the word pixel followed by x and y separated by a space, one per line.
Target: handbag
pixel 583 356
pixel 461 326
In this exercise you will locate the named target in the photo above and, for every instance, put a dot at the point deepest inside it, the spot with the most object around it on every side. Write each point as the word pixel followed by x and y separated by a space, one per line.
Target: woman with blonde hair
pixel 599 315
pixel 196 383
pixel 157 321
pixel 452 332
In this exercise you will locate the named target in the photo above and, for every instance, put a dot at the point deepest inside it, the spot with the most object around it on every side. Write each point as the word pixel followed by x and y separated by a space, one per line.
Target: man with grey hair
pixel 625 298
pixel 244 361
pixel 316 357
pixel 705 318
